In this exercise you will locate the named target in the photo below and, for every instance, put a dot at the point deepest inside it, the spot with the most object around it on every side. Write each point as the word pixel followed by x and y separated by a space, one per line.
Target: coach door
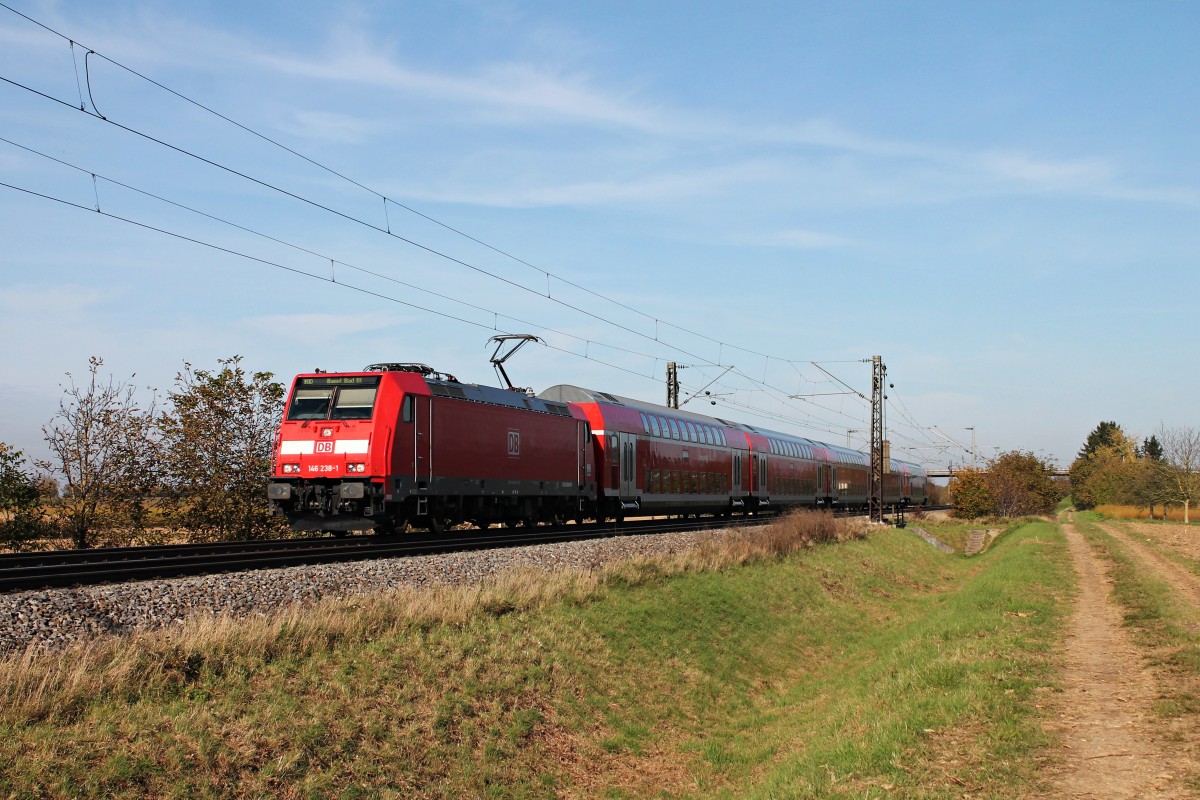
pixel 627 452
pixel 737 475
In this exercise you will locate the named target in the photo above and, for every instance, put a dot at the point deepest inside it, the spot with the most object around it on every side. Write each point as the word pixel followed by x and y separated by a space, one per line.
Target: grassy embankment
pixel 868 668
pixel 1163 622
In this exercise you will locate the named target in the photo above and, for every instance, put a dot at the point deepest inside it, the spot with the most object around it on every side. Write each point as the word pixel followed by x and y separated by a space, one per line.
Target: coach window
pixel 645 423
pixel 708 435
pixel 406 408
pixel 674 428
pixel 654 426
pixel 691 431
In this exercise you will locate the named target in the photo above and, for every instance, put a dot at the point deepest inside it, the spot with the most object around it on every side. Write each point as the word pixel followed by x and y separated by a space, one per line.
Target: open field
pixel 1173 513
pixel 869 668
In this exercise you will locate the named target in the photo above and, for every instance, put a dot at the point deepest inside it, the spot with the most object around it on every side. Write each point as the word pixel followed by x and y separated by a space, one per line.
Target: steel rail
pixel 67 568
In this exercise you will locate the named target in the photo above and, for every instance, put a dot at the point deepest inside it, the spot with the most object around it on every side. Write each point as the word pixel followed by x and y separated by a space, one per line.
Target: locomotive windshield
pixel 334 398
pixel 311 403
pixel 356 403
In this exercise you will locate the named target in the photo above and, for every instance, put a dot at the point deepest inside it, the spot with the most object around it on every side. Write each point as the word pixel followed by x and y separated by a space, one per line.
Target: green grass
pixel 834 675
pixel 950 531
pixel 864 669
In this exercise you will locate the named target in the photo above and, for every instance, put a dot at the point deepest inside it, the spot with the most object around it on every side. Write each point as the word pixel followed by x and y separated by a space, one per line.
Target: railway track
pixel 64 568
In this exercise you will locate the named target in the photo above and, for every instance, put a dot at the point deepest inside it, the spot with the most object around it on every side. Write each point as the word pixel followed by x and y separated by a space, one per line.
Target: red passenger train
pixel 400 443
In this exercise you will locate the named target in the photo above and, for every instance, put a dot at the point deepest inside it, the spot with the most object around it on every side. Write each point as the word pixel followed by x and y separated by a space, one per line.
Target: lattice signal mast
pixel 672 385
pixel 878 467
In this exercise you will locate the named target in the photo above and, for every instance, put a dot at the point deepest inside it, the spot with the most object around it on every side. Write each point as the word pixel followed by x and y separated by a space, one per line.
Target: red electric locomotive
pixel 400 442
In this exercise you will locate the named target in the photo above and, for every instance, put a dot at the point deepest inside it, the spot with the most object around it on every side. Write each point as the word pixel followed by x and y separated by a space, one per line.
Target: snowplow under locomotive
pixel 396 444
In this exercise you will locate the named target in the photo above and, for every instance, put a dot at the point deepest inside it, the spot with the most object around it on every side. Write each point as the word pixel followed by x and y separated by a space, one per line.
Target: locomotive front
pixel 331 457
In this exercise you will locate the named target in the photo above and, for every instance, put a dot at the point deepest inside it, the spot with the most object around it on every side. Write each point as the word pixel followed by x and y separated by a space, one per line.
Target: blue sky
pixel 1001 199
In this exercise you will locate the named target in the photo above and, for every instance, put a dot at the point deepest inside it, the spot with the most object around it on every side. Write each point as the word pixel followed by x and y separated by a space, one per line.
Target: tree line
pixel 1113 468
pixel 193 464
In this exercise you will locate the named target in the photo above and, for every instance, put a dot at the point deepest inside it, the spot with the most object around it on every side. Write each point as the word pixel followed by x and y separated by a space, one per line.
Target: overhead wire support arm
pixel 839 380
pixel 696 393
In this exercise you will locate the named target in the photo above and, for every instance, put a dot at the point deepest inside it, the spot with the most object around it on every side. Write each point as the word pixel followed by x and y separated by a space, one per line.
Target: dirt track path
pixel 1114 747
pixel 1182 581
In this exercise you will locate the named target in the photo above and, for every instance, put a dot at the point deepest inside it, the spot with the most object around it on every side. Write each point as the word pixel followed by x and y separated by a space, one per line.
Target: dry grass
pixel 672 676
pixel 37 686
pixel 1174 513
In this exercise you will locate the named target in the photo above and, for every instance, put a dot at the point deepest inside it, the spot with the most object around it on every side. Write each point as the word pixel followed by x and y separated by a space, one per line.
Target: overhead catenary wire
pixel 746 408
pixel 433 251
pixel 386 199
pixel 292 270
pixel 352 218
pixel 332 261
pixel 94 113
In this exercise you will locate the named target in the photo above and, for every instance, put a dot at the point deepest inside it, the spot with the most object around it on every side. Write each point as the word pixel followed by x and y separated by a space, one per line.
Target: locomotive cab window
pixel 311 403
pixel 354 402
pixel 406 408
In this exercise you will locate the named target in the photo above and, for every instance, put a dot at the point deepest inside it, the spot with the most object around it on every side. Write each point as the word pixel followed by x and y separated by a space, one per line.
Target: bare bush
pixel 103 445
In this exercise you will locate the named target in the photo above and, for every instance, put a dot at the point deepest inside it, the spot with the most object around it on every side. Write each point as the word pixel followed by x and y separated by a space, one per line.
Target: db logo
pixel 324 447
pixel 514 443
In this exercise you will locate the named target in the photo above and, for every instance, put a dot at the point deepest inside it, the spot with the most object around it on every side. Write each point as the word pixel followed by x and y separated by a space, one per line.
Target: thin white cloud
pixel 331 127
pixel 799 239
pixel 654 187
pixel 526 92
pixel 538 90
pixel 1047 174
pixel 319 328
pixel 41 301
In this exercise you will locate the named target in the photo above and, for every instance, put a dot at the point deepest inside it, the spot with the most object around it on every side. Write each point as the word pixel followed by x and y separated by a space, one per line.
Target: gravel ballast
pixel 55 618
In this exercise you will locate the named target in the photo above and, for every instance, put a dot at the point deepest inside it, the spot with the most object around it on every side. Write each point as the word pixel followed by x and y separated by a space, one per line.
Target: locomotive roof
pixel 566 393
pixel 496 396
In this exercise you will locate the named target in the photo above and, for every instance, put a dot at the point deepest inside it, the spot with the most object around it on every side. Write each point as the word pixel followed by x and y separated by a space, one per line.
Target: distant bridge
pixel 949 472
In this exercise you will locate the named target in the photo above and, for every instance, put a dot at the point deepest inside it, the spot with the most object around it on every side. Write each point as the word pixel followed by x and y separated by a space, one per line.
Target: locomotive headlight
pixel 327 431
pixel 356 467
pixel 289 469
